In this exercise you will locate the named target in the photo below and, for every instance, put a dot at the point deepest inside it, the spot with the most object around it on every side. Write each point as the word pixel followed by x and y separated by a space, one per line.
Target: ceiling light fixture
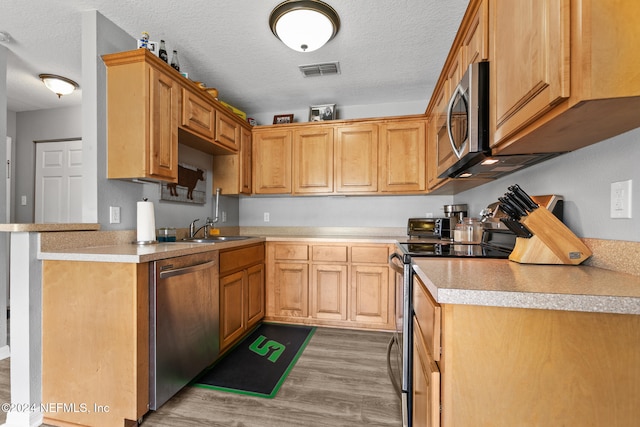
pixel 58 84
pixel 304 25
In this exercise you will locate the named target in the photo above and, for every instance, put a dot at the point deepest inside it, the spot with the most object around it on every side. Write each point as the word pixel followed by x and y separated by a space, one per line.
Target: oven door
pixel 401 265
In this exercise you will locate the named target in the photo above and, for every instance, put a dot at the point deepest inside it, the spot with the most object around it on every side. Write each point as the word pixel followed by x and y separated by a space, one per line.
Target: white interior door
pixel 58 182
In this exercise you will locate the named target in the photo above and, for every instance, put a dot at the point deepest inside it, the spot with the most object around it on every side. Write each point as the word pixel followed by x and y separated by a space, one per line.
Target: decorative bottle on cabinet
pixel 162 52
pixel 174 60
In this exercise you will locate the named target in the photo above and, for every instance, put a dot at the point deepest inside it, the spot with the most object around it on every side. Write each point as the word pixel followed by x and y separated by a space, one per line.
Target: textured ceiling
pixel 389 50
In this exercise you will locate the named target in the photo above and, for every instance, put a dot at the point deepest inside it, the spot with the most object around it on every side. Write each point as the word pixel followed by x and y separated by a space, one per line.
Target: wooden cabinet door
pixel 529 61
pixel 232 316
pixel 227 131
pixel 254 295
pixel 291 289
pixel 163 126
pixel 370 295
pixel 426 385
pixel 313 160
pixel 356 158
pixel 245 161
pixel 197 115
pixel 272 161
pixel 402 157
pixel 328 295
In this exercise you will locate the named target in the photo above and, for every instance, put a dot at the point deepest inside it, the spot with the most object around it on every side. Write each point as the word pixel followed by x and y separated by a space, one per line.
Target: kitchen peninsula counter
pixel 132 253
pixel 503 283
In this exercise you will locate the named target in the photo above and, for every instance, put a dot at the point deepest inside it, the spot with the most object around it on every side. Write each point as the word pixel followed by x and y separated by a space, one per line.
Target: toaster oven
pixel 437 228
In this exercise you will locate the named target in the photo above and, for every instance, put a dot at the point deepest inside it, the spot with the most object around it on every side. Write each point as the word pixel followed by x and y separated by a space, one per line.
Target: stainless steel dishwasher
pixel 184 322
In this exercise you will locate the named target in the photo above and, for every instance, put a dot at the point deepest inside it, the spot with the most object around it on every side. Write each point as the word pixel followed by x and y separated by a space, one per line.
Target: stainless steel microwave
pixel 467 119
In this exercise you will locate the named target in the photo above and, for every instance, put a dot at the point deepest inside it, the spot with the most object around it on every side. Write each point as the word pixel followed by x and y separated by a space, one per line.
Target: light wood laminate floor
pixel 340 380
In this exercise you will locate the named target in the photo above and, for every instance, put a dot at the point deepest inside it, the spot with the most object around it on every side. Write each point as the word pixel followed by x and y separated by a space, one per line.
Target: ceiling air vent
pixel 326 69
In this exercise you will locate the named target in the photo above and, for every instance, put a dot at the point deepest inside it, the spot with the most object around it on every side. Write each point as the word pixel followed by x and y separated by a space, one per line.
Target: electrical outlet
pixel 428 215
pixel 224 216
pixel 621 199
pixel 266 217
pixel 23 200
pixel 114 214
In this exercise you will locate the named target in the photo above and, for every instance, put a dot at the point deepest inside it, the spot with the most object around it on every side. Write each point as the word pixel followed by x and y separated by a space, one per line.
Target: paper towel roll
pixel 146 222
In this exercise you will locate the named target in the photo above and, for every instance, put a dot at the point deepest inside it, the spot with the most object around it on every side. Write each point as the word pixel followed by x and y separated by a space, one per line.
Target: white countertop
pixel 504 283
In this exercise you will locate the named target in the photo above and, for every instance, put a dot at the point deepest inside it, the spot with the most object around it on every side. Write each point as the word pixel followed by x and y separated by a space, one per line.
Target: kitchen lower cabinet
pixel 330 284
pixel 508 367
pixel 426 384
pixel 242 302
pixel 95 342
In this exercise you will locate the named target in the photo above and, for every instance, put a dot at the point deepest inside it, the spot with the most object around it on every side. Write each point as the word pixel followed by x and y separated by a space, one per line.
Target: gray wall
pixel 59 123
pixel 584 178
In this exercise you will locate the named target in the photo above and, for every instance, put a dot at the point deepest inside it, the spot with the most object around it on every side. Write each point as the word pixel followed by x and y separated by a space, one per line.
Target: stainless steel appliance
pixel 437 228
pixel 399 352
pixel 467 130
pixel 497 242
pixel 184 322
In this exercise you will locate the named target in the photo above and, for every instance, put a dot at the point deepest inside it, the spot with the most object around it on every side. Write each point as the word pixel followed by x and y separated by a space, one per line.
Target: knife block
pixel 552 241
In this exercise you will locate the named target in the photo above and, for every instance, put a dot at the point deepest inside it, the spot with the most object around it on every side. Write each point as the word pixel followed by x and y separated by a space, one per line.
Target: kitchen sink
pixel 213 239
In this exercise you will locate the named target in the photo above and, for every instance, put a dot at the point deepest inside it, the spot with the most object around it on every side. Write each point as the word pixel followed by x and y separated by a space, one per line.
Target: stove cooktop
pixel 452 250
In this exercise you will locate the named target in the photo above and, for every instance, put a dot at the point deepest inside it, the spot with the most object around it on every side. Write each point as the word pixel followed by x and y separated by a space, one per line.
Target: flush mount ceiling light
pixel 304 25
pixel 58 84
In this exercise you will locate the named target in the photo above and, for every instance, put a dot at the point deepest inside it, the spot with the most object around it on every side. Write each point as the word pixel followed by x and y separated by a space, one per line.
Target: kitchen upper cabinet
pixel 530 51
pixel 402 156
pixel 564 73
pixel 272 154
pixel 313 160
pixel 227 130
pixel 232 172
pixel 142 117
pixel 198 114
pixel 242 292
pixel 356 158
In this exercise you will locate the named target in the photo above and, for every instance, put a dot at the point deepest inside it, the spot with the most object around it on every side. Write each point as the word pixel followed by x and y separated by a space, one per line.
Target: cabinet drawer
pixel 238 259
pixel 428 318
pixel 291 252
pixel 370 254
pixel 329 253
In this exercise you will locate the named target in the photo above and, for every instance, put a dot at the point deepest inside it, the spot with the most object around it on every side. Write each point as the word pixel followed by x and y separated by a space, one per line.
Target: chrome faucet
pixel 209 222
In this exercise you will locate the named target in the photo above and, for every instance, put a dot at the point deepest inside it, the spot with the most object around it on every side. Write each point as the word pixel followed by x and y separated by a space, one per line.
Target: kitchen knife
pixel 515 204
pixel 508 209
pixel 524 197
pixel 517 228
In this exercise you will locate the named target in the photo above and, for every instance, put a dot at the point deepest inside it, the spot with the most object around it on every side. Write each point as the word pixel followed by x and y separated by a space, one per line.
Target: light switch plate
pixel 621 199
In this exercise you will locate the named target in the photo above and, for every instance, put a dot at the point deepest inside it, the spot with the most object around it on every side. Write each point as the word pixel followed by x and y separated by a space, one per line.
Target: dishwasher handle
pixel 186 270
pixel 395 267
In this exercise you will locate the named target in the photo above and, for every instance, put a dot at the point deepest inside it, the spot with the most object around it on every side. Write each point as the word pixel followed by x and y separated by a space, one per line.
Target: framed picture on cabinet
pixel 318 113
pixel 282 118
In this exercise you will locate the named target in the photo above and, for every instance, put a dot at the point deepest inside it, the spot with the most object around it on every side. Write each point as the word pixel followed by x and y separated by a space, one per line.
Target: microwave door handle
pixel 458 90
